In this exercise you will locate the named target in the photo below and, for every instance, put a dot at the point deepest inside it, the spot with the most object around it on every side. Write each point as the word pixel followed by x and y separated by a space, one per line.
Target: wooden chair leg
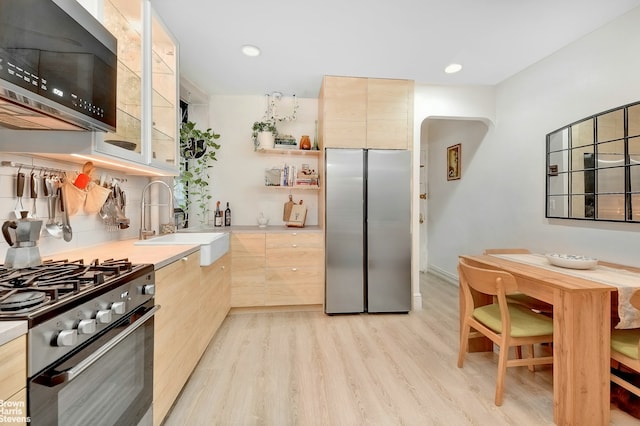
pixel 502 371
pixel 531 355
pixel 464 342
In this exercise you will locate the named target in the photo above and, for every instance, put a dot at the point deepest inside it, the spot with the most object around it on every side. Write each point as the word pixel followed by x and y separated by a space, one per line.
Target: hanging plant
pixel 197 152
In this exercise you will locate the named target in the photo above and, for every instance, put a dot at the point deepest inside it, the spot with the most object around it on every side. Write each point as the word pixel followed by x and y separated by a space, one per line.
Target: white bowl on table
pixel 571 261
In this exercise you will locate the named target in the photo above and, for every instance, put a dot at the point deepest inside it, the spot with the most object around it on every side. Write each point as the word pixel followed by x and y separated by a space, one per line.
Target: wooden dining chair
pixel 625 350
pixel 521 298
pixel 506 325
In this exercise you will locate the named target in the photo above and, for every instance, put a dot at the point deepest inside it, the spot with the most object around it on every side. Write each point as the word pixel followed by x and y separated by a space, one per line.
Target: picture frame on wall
pixel 454 156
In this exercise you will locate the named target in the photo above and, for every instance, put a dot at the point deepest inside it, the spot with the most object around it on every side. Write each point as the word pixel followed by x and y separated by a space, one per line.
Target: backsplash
pixel 88 229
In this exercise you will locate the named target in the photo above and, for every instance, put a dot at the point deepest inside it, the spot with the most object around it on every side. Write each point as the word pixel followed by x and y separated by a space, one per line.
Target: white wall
pixel 238 175
pixel 451 230
pixel 507 171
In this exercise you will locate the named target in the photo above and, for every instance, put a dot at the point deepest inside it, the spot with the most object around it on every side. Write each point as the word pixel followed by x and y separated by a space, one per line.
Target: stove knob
pixel 103 317
pixel 87 326
pixel 149 289
pixel 67 338
pixel 118 308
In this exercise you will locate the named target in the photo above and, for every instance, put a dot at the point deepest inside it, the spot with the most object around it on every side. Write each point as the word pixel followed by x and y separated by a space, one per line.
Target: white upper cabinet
pixel 147 99
pixel 164 96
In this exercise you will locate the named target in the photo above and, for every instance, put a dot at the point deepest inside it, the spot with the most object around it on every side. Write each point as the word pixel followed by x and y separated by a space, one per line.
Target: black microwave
pixel 58 67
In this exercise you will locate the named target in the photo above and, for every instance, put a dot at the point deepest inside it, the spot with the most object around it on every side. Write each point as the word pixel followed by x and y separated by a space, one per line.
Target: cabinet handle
pixel 184 259
pixel 294 233
pixel 294 269
pixel 222 267
pixel 294 245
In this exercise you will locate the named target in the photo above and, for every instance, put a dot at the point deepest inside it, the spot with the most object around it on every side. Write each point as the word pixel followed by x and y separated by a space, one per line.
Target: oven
pixel 89 341
pixel 107 382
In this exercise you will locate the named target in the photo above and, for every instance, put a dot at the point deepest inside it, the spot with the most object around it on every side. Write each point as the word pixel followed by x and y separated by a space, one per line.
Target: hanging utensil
pixel 33 188
pixel 67 232
pixel 123 220
pixel 20 179
pixel 54 229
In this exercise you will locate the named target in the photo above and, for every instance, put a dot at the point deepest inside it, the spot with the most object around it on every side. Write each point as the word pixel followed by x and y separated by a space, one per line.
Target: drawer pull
pixel 294 233
pixel 294 245
pixel 184 259
pixel 294 269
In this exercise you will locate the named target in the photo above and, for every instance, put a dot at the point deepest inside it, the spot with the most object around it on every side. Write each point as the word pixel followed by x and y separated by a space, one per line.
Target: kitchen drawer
pixel 13 374
pixel 295 256
pixel 294 239
pixel 243 245
pixel 294 286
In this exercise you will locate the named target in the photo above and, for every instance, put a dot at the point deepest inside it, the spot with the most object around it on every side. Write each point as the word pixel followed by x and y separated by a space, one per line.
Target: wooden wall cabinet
pixel 277 269
pixel 194 301
pixel 366 113
pixel 343 112
pixel 13 376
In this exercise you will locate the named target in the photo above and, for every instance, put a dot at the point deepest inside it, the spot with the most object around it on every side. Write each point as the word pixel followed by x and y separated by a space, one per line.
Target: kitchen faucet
pixel 146 233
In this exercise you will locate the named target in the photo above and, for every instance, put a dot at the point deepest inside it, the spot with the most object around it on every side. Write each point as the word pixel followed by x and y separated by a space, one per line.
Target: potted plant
pixel 197 152
pixel 264 134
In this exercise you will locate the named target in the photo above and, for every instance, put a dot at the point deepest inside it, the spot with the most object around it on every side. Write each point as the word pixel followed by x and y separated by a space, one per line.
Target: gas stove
pixel 38 293
pixel 69 303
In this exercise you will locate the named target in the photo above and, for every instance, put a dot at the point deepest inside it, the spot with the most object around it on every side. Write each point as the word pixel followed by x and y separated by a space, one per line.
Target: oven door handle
pixel 74 372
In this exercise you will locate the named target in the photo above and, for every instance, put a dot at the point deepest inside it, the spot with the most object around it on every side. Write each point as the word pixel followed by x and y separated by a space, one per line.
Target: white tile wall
pixel 88 230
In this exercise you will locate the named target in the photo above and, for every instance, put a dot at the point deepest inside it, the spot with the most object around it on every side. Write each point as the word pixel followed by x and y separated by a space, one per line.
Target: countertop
pixel 159 256
pixel 10 330
pixel 269 229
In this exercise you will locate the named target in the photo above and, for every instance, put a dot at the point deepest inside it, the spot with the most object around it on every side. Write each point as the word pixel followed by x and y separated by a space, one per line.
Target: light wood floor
pixel 307 368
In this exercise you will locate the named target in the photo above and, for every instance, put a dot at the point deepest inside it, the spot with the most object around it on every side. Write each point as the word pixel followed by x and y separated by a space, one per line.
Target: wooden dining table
pixel 581 334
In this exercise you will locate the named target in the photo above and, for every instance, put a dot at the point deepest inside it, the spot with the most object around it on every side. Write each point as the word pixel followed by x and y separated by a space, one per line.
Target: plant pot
pixel 266 140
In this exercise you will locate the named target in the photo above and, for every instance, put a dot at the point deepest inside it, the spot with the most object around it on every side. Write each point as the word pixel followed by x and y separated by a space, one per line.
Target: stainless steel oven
pixel 89 342
pixel 108 382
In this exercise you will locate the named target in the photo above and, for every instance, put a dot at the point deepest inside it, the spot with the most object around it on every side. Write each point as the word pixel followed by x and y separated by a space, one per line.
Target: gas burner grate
pixel 57 279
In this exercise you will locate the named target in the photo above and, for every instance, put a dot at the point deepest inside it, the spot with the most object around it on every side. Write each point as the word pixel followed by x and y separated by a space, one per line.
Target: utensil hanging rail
pixel 46 169
pixel 32 167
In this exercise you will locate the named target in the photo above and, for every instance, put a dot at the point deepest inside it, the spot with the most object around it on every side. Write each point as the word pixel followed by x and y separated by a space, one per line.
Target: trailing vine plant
pixel 197 152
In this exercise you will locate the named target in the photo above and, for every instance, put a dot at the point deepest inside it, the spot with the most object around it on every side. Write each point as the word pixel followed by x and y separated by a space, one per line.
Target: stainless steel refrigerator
pixel 368 239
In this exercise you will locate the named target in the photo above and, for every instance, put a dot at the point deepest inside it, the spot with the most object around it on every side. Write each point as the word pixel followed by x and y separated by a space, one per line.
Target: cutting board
pixel 287 209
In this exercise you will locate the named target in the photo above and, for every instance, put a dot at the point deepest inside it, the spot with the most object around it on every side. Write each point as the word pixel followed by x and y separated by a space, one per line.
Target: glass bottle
pixel 227 216
pixel 218 216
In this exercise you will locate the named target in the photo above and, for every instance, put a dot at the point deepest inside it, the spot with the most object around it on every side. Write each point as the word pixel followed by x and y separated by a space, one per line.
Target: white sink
pixel 213 245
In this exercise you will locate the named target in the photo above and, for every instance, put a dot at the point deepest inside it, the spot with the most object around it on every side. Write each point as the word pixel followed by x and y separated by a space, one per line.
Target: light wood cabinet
pixel 13 377
pixel 389 114
pixel 343 112
pixel 366 113
pixel 174 353
pixel 215 298
pixel 274 269
pixel 247 269
pixel 295 269
pixel 194 301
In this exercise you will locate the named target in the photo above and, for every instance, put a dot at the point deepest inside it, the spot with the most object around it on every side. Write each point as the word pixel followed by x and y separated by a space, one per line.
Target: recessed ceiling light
pixel 250 50
pixel 452 68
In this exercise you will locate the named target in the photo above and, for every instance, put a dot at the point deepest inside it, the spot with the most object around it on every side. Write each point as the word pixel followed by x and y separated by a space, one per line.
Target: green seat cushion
pixel 524 322
pixel 626 342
